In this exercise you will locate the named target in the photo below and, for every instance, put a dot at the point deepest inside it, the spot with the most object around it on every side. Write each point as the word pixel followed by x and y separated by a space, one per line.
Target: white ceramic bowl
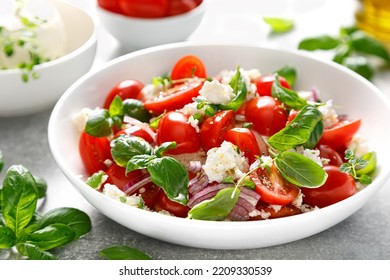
pixel 21 98
pixel 137 33
pixel 352 93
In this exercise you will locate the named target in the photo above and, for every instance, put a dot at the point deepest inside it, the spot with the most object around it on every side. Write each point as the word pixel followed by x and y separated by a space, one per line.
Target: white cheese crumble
pixel 115 193
pixel 191 109
pixel 81 118
pixel 249 75
pixel 194 123
pixel 216 92
pixel 329 115
pixel 314 155
pixel 225 161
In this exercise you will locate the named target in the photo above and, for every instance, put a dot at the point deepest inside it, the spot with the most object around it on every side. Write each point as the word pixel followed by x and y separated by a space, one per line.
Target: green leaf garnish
pixel 288 96
pixel 239 88
pixel 123 253
pixel 279 25
pixel 359 168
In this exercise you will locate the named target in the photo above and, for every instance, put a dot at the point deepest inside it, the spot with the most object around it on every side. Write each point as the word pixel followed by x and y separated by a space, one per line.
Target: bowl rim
pixel 81 186
pixel 200 9
pixel 92 39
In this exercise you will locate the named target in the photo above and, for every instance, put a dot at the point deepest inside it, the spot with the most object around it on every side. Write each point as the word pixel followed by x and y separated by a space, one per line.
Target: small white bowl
pixel 19 98
pixel 137 33
pixel 353 94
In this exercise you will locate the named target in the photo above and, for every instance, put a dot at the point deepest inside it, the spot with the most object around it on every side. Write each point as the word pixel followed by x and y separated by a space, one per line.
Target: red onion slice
pixel 204 194
pixel 198 183
pixel 132 186
pixel 144 126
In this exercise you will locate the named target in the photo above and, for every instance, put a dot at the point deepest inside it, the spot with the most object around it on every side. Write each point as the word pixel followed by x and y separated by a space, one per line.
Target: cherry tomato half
pixel 264 84
pixel 144 8
pixel 188 66
pixel 340 135
pixel 94 151
pixel 125 89
pixel 175 97
pixel 118 177
pixel 272 187
pixel 136 131
pixel 338 186
pixel 213 129
pixel 245 140
pixel 177 209
pixel 174 126
pixel 266 114
pixel 331 154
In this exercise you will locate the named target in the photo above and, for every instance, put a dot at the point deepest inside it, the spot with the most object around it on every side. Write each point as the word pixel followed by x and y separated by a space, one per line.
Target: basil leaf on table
pixel 19 198
pixel 171 176
pixel 41 186
pixel 239 89
pixel 33 252
pixel 368 45
pixel 359 64
pixel 279 25
pixel 287 96
pixel 323 42
pixel 7 237
pixel 218 207
pixel 52 236
pixel 123 253
pixel 300 170
pixel 1 161
pixel 298 131
pixel 124 147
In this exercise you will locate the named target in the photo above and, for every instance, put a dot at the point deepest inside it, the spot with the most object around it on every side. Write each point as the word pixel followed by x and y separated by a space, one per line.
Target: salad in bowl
pixel 222 146
pixel 241 145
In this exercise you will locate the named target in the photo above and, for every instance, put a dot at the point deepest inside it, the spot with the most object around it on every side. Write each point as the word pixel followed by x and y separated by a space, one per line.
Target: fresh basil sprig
pixel 166 172
pixel 352 48
pixel 360 168
pixel 122 252
pixel 32 235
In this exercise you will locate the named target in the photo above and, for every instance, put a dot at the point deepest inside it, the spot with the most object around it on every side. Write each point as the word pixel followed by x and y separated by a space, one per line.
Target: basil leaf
pixel 359 64
pixel 323 42
pixel 160 150
pixel 7 237
pixel 123 253
pixel 41 186
pixel 218 207
pixel 239 89
pixel 287 96
pixel 363 43
pixel 348 30
pixel 124 147
pixel 99 123
pixel 315 136
pixel 19 198
pixel 279 25
pixel 342 52
pixel 300 170
pixel 135 109
pixel 171 176
pixel 116 107
pixel 298 131
pixel 1 161
pixel 33 252
pixel 96 180
pixel 52 236
pixel 138 162
pixel 75 219
pixel 289 73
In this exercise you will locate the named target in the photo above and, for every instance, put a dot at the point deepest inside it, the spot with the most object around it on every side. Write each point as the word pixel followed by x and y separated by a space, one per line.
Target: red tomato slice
pixel 266 114
pixel 144 8
pixel 272 187
pixel 125 89
pixel 264 84
pixel 175 97
pixel 177 7
pixel 177 209
pixel 174 126
pixel 213 129
pixel 245 140
pixel 339 136
pixel 94 151
pixel 188 66
pixel 338 186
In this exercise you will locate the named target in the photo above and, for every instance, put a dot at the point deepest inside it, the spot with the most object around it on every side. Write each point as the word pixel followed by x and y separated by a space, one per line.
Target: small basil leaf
pixel 289 73
pixel 7 237
pixel 99 123
pixel 138 162
pixel 287 96
pixel 52 236
pixel 279 25
pixel 135 109
pixel 123 253
pixel 33 252
pixel 300 170
pixel 363 43
pixel 218 207
pixel 96 179
pixel 75 219
pixel 315 136
pixel 19 198
pixel 160 150
pixel 171 176
pixel 116 107
pixel 124 147
pixel 239 89
pixel 359 64
pixel 323 42
pixel 298 131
